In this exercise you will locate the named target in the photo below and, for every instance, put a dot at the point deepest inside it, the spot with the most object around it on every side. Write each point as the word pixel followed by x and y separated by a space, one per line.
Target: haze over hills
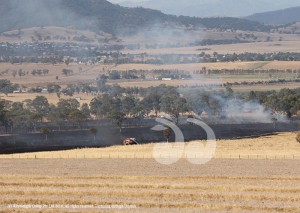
pixel 285 16
pixel 211 8
pixel 101 15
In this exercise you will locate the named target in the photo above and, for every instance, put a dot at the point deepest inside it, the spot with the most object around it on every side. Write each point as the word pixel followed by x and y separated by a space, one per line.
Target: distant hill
pixel 278 17
pixel 101 15
pixel 212 8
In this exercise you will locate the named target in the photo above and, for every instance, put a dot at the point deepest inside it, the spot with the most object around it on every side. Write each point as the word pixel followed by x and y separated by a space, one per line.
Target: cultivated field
pixel 127 179
pixel 145 186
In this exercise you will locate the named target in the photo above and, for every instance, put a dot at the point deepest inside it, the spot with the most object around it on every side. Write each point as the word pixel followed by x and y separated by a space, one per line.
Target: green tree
pixel 118 118
pixel 128 105
pixel 173 104
pixel 19 116
pixel 41 106
pixel 101 83
pixel 77 116
pixel 94 131
pixel 3 113
pixel 66 107
pixel 286 100
pixel 274 121
pixel 167 133
pixel 45 131
pixel 14 73
pixel 56 116
pixel 21 73
pixel 102 106
pixel 6 87
pixel 53 88
pixel 67 72
pixel 85 109
pixel 151 102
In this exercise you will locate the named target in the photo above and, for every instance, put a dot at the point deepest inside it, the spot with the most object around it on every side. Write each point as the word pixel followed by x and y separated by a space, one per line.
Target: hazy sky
pixel 118 1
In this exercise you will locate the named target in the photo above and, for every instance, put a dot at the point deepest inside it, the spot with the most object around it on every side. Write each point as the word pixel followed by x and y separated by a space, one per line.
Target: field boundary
pixel 141 156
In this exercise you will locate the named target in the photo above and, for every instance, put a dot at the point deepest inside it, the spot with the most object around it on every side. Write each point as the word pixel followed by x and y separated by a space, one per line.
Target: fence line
pixel 147 156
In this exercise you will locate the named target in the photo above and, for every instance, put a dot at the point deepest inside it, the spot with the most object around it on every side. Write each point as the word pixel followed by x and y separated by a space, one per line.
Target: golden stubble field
pixel 126 179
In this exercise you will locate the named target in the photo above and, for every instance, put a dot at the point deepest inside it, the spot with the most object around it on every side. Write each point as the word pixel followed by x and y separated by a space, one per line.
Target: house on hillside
pixel 45 91
pixel 166 79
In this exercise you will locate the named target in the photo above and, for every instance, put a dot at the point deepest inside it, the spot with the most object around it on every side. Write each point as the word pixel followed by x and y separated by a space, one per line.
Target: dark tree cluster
pixel 271 72
pixel 279 56
pixel 118 104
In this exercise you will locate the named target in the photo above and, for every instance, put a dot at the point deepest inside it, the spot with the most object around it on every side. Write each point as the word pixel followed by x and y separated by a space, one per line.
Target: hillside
pixel 209 8
pixel 101 15
pixel 278 17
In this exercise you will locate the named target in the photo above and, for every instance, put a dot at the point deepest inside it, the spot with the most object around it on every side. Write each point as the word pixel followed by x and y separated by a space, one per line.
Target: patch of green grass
pixel 259 65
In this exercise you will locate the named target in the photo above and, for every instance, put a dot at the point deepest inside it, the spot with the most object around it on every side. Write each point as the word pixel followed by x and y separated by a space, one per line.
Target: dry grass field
pixel 91 184
pixel 258 47
pixel 51 33
pixel 266 87
pixel 81 73
pixel 52 98
pixel 209 81
pixel 88 73
pixel 281 65
pixel 128 182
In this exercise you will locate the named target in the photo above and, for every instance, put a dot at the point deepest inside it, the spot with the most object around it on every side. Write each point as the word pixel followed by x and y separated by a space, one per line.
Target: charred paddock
pixel 108 135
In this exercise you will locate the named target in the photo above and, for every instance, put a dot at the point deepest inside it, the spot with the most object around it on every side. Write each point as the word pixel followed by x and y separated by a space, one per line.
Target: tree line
pixel 117 105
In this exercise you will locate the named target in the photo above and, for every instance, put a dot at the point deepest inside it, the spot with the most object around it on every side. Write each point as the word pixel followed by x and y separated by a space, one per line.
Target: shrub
pixel 298 137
